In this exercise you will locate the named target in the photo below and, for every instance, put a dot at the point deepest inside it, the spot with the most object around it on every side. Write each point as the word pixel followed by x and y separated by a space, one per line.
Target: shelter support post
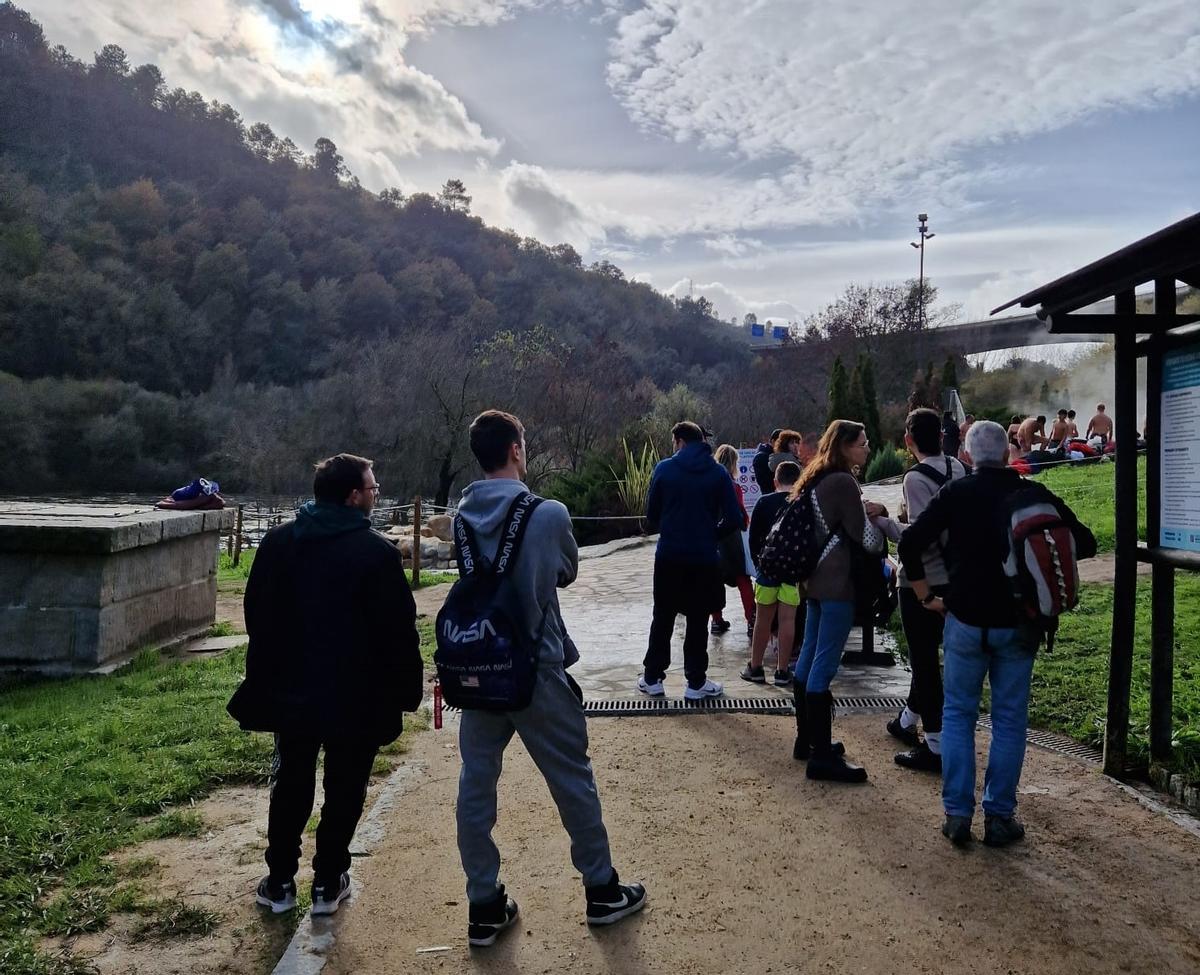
pixel 1120 669
pixel 1162 659
pixel 1162 586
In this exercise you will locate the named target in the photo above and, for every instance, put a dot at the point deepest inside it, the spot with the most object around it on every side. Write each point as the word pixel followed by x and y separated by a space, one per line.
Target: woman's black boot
pixel 824 763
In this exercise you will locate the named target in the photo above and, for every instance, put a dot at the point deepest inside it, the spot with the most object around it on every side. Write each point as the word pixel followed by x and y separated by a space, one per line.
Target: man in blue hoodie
pixel 690 496
pixel 334 660
pixel 552 728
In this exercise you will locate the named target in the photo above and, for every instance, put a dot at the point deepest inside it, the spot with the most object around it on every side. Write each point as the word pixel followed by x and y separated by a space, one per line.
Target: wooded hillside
pixel 182 291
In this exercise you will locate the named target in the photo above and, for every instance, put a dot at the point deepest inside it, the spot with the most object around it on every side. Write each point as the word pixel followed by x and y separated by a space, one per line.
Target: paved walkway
pixel 608 609
pixel 607 612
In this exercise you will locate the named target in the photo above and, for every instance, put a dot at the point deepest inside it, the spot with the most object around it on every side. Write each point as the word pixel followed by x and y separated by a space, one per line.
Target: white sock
pixel 934 740
pixel 908 719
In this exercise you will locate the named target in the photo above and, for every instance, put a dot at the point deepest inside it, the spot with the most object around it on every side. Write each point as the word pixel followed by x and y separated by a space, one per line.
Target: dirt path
pixel 751 868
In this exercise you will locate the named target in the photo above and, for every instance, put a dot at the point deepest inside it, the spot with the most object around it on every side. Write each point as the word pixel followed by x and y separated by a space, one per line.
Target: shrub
pixel 634 488
pixel 886 462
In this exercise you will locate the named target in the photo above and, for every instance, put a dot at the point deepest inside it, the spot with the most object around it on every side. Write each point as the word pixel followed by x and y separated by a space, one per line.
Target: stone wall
pixel 83 586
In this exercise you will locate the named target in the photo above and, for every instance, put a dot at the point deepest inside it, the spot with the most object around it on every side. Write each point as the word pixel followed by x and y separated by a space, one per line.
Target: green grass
pixel 174 918
pixel 228 572
pixel 94 764
pixel 431 578
pixel 1070 685
pixel 234 576
pixel 1089 489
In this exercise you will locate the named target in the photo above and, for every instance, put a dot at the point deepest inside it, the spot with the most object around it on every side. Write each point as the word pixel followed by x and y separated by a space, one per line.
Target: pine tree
pixel 949 374
pixel 870 401
pixel 856 401
pixel 838 391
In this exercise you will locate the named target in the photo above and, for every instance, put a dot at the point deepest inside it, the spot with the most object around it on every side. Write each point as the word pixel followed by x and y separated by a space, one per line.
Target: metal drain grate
pixel 1055 743
pixel 640 707
pixel 668 706
pixel 869 703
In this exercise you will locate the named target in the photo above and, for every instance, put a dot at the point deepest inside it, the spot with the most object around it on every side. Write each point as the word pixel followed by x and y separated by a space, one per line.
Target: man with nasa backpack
pixel 1011 550
pixel 528 541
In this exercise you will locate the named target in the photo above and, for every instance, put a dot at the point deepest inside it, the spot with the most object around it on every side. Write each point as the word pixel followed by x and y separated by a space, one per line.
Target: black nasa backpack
pixel 486 659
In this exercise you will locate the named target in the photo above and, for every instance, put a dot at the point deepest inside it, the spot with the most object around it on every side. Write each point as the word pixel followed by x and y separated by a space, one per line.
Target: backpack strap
pixel 516 524
pixel 467 544
pixel 516 521
pixel 932 473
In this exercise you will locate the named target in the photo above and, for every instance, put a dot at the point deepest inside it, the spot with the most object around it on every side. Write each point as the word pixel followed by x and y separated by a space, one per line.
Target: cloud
pixel 537 203
pixel 308 67
pixel 732 245
pixel 856 104
pixel 729 304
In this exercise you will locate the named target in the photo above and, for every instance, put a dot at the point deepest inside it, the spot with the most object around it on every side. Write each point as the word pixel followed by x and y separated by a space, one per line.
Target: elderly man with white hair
pixel 987 634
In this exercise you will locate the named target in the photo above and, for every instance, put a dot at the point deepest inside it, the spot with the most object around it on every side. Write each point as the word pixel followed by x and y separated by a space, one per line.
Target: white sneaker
pixel 710 689
pixel 654 690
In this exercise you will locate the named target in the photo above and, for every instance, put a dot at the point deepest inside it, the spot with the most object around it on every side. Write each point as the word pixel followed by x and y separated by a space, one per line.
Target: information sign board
pixel 1179 443
pixel 745 477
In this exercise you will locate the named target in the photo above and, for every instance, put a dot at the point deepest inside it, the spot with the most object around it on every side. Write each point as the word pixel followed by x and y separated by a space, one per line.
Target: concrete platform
pixel 84 585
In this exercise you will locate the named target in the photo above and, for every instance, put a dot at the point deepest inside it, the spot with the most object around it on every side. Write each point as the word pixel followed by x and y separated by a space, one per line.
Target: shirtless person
pixel 1101 425
pixel 1059 430
pixel 1072 426
pixel 1013 426
pixel 1031 433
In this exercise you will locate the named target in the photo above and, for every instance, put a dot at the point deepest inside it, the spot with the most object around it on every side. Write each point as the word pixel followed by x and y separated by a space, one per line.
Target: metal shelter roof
pixel 1173 252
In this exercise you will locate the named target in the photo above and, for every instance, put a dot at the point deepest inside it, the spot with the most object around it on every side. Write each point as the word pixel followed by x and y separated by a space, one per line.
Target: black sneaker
pixel 486 921
pixel 921 758
pixel 755 675
pixel 327 895
pixel 1002 830
pixel 610 902
pixel 907 735
pixel 279 896
pixel 719 626
pixel 782 678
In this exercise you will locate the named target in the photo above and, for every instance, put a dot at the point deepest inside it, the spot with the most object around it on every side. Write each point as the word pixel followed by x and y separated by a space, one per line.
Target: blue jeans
pixel 1007 662
pixel 826 628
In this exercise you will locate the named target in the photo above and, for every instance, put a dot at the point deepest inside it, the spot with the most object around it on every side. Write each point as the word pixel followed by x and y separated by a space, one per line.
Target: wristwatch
pixel 928 599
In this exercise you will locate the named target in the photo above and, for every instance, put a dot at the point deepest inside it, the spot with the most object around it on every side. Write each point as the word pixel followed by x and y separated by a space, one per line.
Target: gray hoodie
pixel 548 561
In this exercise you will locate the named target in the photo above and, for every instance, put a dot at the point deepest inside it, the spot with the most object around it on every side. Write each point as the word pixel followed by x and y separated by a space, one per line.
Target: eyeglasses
pixel 374 488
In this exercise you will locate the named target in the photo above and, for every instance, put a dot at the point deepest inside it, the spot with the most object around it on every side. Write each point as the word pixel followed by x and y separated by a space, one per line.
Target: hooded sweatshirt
pixel 690 495
pixel 547 562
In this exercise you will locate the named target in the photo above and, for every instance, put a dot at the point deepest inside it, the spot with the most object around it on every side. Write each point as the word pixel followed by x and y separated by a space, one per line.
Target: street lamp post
pixel 923 230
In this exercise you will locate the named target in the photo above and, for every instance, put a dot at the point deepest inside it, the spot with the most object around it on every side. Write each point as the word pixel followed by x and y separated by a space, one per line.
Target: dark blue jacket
pixel 690 495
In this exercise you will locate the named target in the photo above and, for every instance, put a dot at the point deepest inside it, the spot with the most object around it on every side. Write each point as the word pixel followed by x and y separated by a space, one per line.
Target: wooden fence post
pixel 416 556
pixel 237 538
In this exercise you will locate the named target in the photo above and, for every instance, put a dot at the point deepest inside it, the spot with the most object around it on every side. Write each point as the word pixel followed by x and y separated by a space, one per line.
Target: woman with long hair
pixel 733 552
pixel 842 521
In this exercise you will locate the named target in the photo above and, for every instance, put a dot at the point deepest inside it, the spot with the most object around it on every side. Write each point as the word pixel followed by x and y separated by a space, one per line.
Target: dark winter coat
pixel 332 625
pixel 762 469
pixel 690 495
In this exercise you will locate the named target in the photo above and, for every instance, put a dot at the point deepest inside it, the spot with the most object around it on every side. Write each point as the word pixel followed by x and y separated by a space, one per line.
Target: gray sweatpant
pixel 554 732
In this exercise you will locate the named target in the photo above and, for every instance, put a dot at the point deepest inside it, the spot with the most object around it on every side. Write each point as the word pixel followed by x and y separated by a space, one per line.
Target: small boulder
pixel 441 527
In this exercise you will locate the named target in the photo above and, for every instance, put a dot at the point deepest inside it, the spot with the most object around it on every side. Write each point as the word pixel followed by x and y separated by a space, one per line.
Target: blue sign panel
pixel 1179 444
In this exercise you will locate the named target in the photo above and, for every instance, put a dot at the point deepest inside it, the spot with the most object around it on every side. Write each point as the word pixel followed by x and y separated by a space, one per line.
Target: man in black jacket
pixel 334 659
pixel 986 633
pixel 762 465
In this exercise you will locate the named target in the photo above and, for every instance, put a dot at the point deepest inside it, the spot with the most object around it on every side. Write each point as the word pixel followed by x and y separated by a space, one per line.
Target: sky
pixel 761 153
